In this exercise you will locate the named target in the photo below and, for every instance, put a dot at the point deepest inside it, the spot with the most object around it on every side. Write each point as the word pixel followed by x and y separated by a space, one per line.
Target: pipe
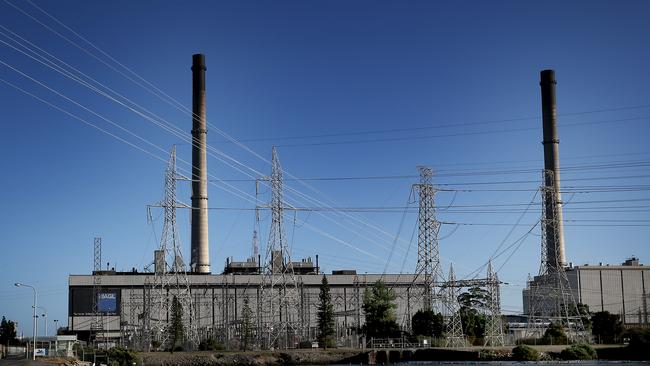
pixel 555 257
pixel 200 258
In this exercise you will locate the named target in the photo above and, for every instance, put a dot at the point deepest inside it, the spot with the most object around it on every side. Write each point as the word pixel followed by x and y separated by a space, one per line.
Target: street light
pixel 56 339
pixel 44 315
pixel 18 284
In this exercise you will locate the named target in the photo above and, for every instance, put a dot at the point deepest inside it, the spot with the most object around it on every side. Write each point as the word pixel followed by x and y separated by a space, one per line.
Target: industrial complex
pixel 133 308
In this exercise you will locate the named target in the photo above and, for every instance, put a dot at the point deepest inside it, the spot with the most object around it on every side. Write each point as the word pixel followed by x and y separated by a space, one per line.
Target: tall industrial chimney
pixel 554 245
pixel 200 261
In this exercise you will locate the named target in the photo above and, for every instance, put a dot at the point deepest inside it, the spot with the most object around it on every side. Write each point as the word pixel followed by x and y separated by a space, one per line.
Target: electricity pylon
pixel 455 336
pixel 280 294
pixel 427 271
pixel 98 320
pixel 494 322
pixel 170 274
pixel 551 299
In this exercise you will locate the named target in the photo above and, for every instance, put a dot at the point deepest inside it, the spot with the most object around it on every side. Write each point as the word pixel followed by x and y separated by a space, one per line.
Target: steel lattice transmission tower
pixel 455 336
pixel 280 294
pixel 170 272
pixel 494 322
pixel 98 320
pixel 550 296
pixel 428 273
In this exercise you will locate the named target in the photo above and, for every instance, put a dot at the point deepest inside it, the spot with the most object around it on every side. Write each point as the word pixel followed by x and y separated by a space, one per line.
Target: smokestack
pixel 554 246
pixel 200 261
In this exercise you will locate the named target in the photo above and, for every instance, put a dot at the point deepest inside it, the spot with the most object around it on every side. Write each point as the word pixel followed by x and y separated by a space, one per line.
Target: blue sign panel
pixel 107 302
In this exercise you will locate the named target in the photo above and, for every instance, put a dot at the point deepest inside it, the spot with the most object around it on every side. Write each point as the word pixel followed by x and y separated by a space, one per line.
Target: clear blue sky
pixel 356 70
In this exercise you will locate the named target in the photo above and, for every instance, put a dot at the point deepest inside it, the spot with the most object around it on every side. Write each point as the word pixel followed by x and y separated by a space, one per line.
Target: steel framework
pixel 283 328
pixel 551 299
pixel 494 322
pixel 169 278
pixel 428 268
pixel 455 336
pixel 98 320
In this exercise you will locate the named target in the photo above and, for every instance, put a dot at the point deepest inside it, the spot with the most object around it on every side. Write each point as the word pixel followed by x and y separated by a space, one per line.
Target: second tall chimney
pixel 200 258
pixel 554 245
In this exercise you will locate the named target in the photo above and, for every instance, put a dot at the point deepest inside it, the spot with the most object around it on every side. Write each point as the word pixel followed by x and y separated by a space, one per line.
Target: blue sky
pixel 394 84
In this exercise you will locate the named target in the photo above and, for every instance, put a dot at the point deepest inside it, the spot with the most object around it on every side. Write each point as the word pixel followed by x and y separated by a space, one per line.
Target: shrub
pixel 304 344
pixel 638 347
pixel 554 335
pixel 525 353
pixel 328 342
pixel 579 352
pixel 211 345
pixel 119 356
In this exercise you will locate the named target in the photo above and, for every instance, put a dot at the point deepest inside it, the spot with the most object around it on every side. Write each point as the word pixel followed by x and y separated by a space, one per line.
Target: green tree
pixel 554 334
pixel 472 302
pixel 247 326
pixel 582 310
pixel 7 331
pixel 177 330
pixel 325 314
pixel 379 308
pixel 475 298
pixel 606 327
pixel 427 323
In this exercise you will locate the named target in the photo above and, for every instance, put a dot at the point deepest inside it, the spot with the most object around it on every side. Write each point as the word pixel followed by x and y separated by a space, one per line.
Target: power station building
pixel 218 302
pixel 619 289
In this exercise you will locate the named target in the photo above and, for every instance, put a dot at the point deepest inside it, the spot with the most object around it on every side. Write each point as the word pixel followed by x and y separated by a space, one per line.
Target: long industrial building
pixel 218 302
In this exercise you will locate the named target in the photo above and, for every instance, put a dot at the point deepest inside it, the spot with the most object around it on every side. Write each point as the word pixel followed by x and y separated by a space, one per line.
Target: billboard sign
pixel 107 302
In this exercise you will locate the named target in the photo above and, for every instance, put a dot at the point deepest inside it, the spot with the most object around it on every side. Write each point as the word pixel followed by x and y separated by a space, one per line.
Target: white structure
pixel 619 289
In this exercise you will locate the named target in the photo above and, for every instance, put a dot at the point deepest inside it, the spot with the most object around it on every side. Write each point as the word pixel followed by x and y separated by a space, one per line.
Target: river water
pixel 515 363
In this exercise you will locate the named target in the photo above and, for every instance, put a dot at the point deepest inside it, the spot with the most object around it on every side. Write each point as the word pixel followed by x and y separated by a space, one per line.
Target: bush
pixel 525 353
pixel 554 335
pixel 638 347
pixel 304 344
pixel 579 352
pixel 211 345
pixel 327 342
pixel 119 356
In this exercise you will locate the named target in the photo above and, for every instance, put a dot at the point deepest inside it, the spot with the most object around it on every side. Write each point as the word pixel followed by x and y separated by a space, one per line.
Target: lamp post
pixel 18 284
pixel 56 339
pixel 44 315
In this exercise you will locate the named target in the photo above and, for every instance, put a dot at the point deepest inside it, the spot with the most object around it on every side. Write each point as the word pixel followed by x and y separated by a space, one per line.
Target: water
pixel 516 363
